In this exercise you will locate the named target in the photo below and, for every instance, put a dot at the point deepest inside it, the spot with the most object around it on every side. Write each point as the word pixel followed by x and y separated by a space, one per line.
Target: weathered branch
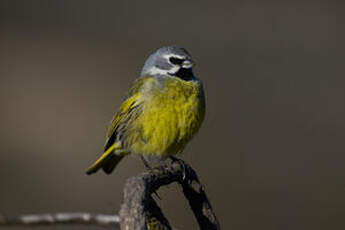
pixel 62 218
pixel 139 210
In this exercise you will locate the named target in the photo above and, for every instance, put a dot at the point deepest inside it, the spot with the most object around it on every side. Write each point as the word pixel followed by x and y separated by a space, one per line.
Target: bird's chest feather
pixel 171 117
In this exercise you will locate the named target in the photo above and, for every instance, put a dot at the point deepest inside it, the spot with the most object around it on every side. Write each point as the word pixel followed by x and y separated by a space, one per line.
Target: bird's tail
pixel 107 161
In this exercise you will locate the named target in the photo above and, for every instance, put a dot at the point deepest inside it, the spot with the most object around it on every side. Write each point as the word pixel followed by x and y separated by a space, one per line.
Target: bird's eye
pixel 176 61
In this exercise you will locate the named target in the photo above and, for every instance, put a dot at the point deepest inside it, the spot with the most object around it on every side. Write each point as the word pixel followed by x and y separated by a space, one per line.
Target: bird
pixel 164 109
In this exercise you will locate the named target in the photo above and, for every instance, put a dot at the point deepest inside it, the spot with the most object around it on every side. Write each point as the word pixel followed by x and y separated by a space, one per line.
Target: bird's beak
pixel 187 64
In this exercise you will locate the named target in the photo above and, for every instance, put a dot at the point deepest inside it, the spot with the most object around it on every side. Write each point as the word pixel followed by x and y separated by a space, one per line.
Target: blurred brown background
pixel 271 150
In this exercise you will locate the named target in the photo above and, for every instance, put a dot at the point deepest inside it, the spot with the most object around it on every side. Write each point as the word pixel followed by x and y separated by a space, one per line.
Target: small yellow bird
pixel 164 109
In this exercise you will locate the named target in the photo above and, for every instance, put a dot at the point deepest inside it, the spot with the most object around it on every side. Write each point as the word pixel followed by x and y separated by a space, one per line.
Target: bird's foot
pixel 183 165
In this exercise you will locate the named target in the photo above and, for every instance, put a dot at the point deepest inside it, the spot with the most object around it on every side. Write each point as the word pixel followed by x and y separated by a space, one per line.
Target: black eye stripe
pixel 176 61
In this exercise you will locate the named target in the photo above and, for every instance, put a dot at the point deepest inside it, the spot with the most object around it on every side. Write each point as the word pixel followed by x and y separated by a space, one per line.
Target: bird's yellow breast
pixel 171 115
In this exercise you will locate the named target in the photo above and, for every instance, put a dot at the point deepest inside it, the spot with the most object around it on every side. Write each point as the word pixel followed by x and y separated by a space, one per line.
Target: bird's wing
pixel 129 109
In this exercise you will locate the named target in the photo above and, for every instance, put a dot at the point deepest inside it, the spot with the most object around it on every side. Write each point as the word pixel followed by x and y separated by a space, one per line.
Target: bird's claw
pixel 184 170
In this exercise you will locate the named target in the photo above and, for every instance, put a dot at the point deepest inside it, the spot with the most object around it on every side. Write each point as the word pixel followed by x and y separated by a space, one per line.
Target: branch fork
pixel 139 210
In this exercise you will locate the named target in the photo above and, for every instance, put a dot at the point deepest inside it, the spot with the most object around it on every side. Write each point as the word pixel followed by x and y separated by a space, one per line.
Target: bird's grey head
pixel 169 61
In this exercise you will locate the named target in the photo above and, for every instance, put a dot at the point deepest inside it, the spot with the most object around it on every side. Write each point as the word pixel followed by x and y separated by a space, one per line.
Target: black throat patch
pixel 185 74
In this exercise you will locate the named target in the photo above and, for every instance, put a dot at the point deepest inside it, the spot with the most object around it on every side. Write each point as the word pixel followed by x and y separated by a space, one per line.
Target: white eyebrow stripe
pixel 167 56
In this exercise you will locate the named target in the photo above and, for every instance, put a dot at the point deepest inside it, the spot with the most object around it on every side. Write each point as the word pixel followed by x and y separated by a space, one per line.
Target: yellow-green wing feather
pixel 129 107
pixel 120 120
pixel 113 149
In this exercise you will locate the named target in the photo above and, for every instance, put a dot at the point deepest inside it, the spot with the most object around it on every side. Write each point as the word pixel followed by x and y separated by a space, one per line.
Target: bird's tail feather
pixel 110 164
pixel 107 161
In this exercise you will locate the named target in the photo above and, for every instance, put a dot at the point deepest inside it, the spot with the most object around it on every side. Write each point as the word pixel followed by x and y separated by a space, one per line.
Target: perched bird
pixel 162 112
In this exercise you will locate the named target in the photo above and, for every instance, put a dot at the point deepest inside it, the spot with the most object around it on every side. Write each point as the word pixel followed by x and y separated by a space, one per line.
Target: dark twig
pixel 139 211
pixel 62 218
